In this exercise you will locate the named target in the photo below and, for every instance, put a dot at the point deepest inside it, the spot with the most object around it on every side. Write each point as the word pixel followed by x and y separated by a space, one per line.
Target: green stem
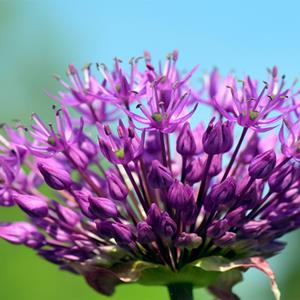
pixel 180 291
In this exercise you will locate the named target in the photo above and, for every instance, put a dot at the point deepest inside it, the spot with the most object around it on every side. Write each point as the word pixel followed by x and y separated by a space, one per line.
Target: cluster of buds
pixel 116 203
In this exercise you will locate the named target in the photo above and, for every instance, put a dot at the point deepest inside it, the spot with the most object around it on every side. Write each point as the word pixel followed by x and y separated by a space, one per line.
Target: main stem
pixel 180 291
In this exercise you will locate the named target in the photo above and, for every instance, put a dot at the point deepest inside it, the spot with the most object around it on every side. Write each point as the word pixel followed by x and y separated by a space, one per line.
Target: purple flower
pixel 251 107
pixel 149 198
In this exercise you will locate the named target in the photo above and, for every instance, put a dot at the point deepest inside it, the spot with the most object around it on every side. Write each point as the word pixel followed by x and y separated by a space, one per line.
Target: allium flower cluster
pixel 125 183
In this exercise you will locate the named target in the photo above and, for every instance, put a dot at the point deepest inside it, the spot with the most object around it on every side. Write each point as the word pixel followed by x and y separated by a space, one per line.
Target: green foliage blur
pixel 30 53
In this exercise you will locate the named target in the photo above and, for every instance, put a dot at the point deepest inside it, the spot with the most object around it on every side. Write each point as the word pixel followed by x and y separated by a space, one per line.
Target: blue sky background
pixel 39 38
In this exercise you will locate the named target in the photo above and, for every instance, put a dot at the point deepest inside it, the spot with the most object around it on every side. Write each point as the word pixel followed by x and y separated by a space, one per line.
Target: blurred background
pixel 40 38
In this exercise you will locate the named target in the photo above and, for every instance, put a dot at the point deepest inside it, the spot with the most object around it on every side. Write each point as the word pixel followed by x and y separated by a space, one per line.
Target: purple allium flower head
pixel 149 192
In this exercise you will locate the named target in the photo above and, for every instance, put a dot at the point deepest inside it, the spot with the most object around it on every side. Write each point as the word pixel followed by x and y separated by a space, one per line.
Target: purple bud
pixel 82 198
pixel 88 147
pixel 227 239
pixel 66 214
pixel 145 233
pixel 253 229
pixel 103 207
pixel 217 138
pixel 34 206
pixel 215 166
pixel 252 197
pixel 13 233
pixel 188 240
pixel 153 216
pixel 167 227
pixel 22 233
pixel 122 233
pixel 116 187
pixel 185 144
pixel 221 194
pixel 159 176
pixel 78 157
pixel 262 164
pixel 280 180
pixel 189 214
pixel 105 228
pixel 217 229
pixel 180 195
pixel 55 177
pixel 236 217
pixel 194 171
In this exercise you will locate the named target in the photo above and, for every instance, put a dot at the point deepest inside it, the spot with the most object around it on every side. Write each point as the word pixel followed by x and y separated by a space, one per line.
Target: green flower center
pixel 51 141
pixel 157 117
pixel 253 114
pixel 120 153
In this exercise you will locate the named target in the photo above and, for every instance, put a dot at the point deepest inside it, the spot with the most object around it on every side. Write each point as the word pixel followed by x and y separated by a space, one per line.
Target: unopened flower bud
pixel 88 147
pixel 153 216
pixel 116 187
pixel 82 199
pixel 159 176
pixel 167 227
pixel 34 206
pixel 227 239
pixel 55 177
pixel 217 138
pixel 13 233
pixel 253 229
pixel 103 207
pixel 236 217
pixel 221 194
pixel 189 214
pixel 185 144
pixel 194 171
pixel 145 233
pixel 215 166
pixel 180 195
pixel 122 233
pixel 188 241
pixel 217 229
pixel 66 214
pixel 262 164
pixel 281 179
